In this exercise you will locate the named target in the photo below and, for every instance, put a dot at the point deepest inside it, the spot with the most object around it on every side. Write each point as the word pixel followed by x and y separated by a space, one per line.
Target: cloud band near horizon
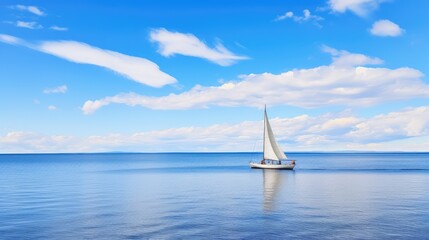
pixel 330 131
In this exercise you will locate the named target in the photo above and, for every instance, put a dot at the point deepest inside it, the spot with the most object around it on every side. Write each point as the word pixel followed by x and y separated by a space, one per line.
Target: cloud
pixel 359 7
pixel 11 40
pixel 30 25
pixel 171 43
pixel 345 82
pixel 137 69
pixel 285 16
pixel 29 142
pixel 411 122
pixel 52 108
pixel 343 58
pixel 59 89
pixel 57 28
pixel 307 17
pixel 330 131
pixel 31 9
pixel 386 28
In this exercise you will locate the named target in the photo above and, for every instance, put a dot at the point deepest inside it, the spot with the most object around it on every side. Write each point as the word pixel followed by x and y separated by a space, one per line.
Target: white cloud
pixel 359 7
pixel 343 58
pixel 11 40
pixel 29 142
pixel 410 122
pixel 335 124
pixel 414 144
pixel 171 43
pixel 59 89
pixel 346 81
pixel 57 28
pixel 307 17
pixel 331 131
pixel 52 108
pixel 135 68
pixel 386 28
pixel 285 16
pixel 29 25
pixel 31 9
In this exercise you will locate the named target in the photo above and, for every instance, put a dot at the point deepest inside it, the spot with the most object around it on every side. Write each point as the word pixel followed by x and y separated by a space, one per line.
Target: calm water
pixel 213 196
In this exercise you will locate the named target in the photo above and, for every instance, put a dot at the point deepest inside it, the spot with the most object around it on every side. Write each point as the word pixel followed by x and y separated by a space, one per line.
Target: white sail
pixel 272 149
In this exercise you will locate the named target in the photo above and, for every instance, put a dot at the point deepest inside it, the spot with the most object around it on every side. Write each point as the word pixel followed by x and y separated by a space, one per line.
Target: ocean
pixel 213 196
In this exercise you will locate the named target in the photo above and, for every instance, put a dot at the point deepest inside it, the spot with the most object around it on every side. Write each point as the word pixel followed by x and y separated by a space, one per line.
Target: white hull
pixel 272 166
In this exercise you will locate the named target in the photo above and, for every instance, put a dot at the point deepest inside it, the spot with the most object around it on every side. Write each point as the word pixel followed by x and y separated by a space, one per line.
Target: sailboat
pixel 274 157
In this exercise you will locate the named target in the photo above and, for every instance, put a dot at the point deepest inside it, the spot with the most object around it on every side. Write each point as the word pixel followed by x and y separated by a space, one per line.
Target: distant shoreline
pixel 309 152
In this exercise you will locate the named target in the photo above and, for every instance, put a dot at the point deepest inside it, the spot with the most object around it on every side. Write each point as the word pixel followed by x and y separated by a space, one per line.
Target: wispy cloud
pixel 59 89
pixel 341 58
pixel 171 43
pixel 330 131
pixel 31 9
pixel 57 28
pixel 307 17
pixel 359 7
pixel 346 81
pixel 386 28
pixel 29 25
pixel 135 68
pixel 52 108
pixel 12 40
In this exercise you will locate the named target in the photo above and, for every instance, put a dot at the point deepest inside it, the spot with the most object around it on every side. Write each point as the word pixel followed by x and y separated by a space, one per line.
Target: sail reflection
pixel 272 180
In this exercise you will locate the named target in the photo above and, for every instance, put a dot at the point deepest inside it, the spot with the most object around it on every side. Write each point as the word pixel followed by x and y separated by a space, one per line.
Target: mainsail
pixel 272 149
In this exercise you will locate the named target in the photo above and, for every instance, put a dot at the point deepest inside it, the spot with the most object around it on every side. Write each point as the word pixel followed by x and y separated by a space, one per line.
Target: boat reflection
pixel 272 180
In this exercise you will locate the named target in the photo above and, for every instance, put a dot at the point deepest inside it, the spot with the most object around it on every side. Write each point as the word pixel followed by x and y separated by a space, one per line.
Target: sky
pixel 194 76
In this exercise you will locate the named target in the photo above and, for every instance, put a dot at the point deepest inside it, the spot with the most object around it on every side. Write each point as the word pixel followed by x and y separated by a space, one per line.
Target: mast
pixel 263 147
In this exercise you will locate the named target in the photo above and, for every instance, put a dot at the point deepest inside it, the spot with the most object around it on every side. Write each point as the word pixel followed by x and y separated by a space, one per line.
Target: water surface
pixel 213 195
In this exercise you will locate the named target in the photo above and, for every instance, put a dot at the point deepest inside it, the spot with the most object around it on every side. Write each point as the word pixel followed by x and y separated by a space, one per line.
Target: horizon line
pixel 196 152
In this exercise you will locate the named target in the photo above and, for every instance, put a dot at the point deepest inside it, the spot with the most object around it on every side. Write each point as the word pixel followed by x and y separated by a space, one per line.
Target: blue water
pixel 213 196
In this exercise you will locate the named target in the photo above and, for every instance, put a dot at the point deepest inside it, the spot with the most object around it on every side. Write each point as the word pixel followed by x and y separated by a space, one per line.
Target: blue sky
pixel 90 76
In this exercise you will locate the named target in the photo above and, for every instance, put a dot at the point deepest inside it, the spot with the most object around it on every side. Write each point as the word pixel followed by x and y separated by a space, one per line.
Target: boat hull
pixel 272 166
